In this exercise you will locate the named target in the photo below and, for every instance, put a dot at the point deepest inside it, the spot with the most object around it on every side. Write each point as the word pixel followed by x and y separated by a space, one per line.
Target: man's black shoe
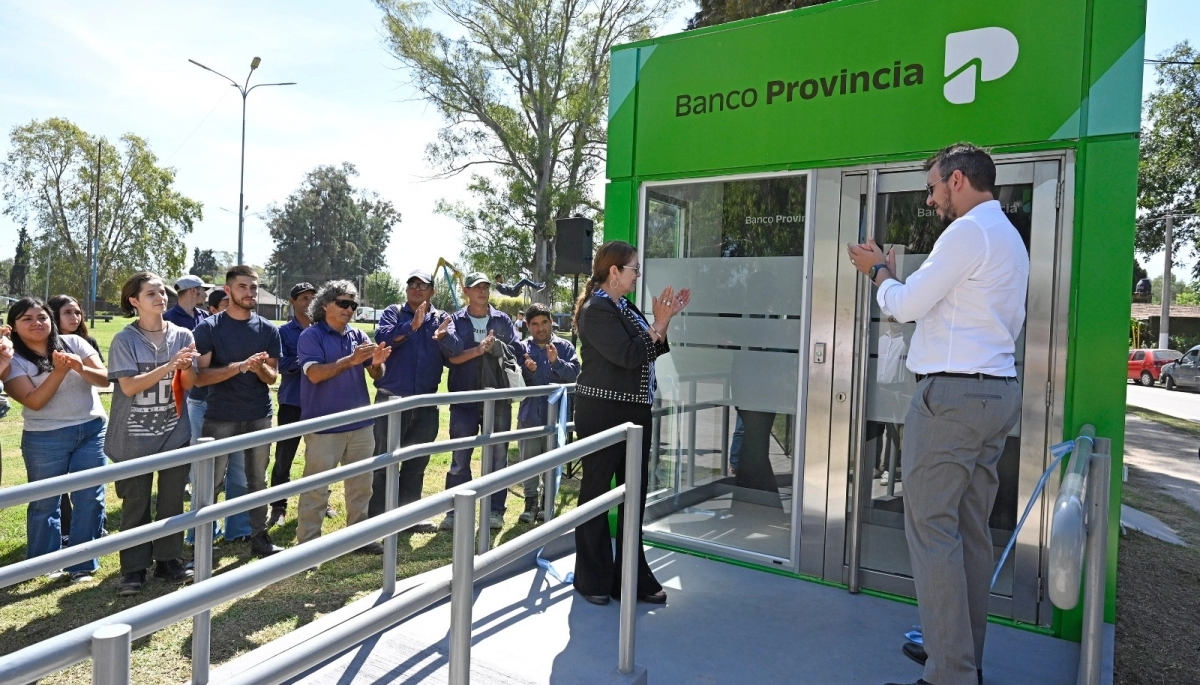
pixel 172 571
pixel 131 583
pixel 261 545
pixel 917 653
pixel 920 681
pixel 371 548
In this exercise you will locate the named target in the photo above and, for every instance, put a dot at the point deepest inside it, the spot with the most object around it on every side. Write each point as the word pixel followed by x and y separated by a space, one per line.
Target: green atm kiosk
pixel 741 160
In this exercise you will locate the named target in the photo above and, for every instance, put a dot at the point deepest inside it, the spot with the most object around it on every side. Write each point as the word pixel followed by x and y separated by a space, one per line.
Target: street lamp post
pixel 245 91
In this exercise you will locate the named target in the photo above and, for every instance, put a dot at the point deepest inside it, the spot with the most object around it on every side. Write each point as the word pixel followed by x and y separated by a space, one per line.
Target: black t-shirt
pixel 244 397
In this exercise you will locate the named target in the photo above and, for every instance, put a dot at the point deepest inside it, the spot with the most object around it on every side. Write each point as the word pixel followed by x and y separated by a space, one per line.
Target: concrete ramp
pixel 723 624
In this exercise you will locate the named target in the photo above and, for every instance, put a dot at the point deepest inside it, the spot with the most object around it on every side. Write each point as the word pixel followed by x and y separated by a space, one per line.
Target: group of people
pixel 967 299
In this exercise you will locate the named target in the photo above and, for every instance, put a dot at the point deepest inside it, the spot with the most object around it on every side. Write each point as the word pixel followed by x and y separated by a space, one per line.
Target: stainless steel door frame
pixel 1045 350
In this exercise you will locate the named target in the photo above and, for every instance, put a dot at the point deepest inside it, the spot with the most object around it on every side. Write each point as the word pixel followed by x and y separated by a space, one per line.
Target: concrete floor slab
pixel 722 624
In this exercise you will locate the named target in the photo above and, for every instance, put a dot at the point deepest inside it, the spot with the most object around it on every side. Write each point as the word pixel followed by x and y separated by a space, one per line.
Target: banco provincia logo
pixel 978 55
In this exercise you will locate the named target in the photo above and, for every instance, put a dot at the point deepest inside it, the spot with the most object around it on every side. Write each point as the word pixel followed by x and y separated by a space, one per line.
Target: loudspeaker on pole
pixel 573 246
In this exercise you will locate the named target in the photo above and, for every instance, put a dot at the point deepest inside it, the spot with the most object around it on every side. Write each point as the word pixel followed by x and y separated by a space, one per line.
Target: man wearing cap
pixel 289 392
pixel 191 293
pixel 473 332
pixel 414 367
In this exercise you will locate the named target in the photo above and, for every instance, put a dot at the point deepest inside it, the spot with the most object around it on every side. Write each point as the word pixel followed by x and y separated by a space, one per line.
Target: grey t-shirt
pixel 75 401
pixel 146 423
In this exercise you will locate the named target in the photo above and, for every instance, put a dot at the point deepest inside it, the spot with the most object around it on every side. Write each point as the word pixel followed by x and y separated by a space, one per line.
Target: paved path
pixel 1181 403
pixel 1167 455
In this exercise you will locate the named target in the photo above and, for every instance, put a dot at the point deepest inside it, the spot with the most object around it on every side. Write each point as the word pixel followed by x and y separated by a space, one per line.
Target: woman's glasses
pixel 346 304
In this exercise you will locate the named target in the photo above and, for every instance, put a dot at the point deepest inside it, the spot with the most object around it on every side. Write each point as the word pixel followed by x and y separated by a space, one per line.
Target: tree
pixel 1169 169
pixel 713 12
pixel 327 229
pixel 382 289
pixel 6 266
pixel 204 263
pixel 17 285
pixel 49 179
pixel 1182 292
pixel 523 92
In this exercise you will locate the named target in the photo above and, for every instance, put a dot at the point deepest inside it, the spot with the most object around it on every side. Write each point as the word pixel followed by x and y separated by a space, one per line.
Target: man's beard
pixel 949 214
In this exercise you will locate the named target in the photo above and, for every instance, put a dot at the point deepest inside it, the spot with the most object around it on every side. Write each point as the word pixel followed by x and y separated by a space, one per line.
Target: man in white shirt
pixel 968 299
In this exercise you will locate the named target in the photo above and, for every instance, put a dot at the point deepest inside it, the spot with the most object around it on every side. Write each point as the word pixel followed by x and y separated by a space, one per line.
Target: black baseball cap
pixel 215 297
pixel 301 288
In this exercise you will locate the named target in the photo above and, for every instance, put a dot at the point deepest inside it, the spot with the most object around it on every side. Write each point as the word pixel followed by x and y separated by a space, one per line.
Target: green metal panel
pixel 1075 83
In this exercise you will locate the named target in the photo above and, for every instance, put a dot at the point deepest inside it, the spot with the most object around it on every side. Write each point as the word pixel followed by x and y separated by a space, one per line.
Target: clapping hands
pixel 6 346
pixel 419 316
pixel 381 353
pixel 363 352
pixel 66 361
pixel 670 303
pixel 530 364
pixel 255 362
pixel 184 358
pixel 441 329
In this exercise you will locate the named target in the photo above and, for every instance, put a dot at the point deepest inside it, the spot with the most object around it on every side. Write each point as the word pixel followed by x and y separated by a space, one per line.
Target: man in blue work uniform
pixel 289 393
pixel 545 359
pixel 413 330
pixel 476 330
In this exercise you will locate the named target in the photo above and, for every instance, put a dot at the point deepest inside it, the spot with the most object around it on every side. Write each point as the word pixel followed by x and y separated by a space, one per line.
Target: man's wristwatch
pixel 875 271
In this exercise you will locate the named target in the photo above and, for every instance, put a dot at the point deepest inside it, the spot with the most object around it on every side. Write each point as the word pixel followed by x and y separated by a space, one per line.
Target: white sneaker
pixel 447 523
pixel 883 480
pixel 496 521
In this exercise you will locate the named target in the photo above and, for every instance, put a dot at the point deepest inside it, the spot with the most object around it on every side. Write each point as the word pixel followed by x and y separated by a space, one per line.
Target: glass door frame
pixel 1051 174
pixel 798 442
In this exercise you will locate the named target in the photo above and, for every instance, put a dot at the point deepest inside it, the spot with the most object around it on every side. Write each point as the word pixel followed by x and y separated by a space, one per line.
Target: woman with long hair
pixel 152 361
pixel 616 385
pixel 68 316
pixel 55 378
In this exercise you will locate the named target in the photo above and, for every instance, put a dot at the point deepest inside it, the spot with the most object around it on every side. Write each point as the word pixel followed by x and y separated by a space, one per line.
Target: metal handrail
pixel 1068 532
pixel 79 644
pixel 52 487
pixel 1078 547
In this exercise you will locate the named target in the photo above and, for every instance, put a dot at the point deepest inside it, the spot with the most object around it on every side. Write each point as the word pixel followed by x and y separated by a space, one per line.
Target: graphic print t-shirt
pixel 146 423
pixel 480 324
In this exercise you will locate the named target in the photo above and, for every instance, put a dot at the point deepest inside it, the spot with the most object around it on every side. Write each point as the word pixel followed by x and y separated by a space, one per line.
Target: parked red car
pixel 1145 366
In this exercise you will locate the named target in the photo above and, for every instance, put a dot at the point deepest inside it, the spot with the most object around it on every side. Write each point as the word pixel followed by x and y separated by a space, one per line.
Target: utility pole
pixel 1164 322
pixel 95 246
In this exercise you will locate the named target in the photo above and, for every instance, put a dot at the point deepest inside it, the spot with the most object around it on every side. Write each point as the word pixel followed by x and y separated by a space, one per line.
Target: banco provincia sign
pixel 846 82
pixel 775 219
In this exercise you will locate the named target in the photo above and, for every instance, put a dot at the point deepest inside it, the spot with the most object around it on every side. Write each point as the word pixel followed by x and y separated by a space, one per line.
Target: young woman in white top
pixel 55 378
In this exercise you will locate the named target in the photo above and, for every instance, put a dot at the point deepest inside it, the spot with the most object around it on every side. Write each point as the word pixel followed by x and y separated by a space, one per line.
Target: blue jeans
pixel 55 453
pixel 238 525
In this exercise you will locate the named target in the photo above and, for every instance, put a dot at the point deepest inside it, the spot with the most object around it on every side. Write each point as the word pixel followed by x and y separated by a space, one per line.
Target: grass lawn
pixel 38 609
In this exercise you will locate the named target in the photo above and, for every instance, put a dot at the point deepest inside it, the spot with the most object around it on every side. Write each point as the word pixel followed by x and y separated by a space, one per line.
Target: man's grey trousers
pixel 953 438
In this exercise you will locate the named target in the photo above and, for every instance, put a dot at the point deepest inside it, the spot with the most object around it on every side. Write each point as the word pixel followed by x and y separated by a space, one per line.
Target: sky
pixel 122 66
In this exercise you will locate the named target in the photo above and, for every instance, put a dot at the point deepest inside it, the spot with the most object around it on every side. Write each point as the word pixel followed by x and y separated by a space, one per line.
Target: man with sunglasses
pixel 474 331
pixel 968 300
pixel 414 367
pixel 332 357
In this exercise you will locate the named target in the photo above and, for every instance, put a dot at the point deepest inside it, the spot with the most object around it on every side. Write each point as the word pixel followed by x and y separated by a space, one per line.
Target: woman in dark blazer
pixel 616 385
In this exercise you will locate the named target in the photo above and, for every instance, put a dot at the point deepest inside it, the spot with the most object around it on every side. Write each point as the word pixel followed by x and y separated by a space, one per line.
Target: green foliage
pixel 49 178
pixel 522 88
pixel 1169 169
pixel 328 229
pixel 382 289
pixel 1138 272
pixel 509 305
pixel 713 12
pixel 1182 292
pixel 1183 343
pixel 211 265
pixel 17 275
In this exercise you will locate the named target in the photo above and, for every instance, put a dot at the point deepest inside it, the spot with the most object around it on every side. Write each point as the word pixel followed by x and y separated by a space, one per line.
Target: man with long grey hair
pixel 331 353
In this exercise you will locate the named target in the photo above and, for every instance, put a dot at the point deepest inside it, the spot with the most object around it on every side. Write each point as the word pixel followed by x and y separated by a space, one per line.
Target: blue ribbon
pixel 558 397
pixel 1058 451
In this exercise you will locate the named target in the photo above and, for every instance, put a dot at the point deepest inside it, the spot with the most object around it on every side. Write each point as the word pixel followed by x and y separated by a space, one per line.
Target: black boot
pixel 261 545
pixel 531 510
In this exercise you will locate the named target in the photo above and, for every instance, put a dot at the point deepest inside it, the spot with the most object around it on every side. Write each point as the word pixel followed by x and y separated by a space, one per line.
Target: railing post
pixel 462 589
pixel 202 563
pixel 725 446
pixel 550 487
pixel 655 441
pixel 1094 583
pixel 691 437
pixel 485 467
pixel 391 499
pixel 630 542
pixel 111 645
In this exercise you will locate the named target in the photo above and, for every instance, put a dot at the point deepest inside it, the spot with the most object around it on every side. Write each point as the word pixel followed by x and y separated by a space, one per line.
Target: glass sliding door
pixel 725 437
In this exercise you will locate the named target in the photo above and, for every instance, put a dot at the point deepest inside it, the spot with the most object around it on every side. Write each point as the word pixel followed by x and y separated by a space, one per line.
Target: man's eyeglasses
pixel 418 285
pixel 929 187
pixel 637 269
pixel 346 304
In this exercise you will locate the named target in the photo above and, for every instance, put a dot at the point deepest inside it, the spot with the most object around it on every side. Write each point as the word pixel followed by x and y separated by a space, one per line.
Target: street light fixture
pixel 245 91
